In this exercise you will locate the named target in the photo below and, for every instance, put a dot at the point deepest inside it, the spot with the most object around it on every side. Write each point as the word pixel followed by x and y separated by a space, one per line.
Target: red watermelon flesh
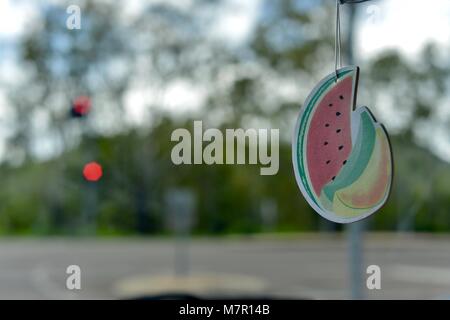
pixel 329 141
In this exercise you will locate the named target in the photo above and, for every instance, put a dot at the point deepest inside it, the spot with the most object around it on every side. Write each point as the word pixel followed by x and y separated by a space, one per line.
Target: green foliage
pixel 243 83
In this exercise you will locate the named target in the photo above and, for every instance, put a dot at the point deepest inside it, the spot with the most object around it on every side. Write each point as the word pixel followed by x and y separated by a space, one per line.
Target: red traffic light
pixel 92 171
pixel 81 106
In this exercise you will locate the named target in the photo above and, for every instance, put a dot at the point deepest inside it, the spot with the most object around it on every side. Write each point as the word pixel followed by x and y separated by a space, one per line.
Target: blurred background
pixel 113 91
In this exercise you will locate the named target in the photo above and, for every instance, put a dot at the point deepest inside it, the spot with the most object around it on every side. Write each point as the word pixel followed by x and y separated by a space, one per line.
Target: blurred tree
pixel 257 83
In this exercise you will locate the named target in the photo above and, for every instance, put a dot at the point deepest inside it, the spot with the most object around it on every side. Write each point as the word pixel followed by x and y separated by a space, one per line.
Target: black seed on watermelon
pixel 328 161
pixel 330 105
pixel 341 97
pixel 325 143
pixel 333 178
pixel 322 128
pixel 340 147
pixel 345 161
pixel 338 130
pixel 338 114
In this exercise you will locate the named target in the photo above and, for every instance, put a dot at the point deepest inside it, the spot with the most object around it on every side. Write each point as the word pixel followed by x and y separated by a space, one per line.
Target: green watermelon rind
pixel 302 128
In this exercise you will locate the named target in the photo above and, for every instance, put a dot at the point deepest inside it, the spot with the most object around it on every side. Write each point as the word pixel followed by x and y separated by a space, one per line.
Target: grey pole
pixel 181 207
pixel 355 230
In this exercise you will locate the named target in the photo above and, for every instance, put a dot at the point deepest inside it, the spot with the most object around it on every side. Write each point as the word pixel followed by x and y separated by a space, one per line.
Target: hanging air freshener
pixel 341 155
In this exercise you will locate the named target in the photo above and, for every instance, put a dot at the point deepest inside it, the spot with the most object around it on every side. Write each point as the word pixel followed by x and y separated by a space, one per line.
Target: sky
pixel 407 26
pixel 404 25
pixel 233 25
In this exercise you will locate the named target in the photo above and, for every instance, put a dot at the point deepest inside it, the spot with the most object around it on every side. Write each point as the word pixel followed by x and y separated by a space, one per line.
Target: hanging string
pixel 337 41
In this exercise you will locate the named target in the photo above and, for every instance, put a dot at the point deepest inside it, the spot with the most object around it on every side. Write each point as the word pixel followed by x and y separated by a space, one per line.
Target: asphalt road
pixel 305 266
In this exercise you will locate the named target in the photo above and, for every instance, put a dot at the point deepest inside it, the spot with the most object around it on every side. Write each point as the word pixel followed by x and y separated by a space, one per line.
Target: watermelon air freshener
pixel 342 156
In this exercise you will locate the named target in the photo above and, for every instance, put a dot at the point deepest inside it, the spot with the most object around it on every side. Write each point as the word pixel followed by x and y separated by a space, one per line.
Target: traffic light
pixel 92 171
pixel 80 107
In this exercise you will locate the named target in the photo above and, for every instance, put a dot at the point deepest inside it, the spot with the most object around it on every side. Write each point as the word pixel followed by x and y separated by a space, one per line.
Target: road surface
pixel 312 266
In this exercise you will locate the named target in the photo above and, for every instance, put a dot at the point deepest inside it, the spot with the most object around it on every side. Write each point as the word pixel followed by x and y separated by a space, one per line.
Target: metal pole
pixel 355 230
pixel 181 207
pixel 182 254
